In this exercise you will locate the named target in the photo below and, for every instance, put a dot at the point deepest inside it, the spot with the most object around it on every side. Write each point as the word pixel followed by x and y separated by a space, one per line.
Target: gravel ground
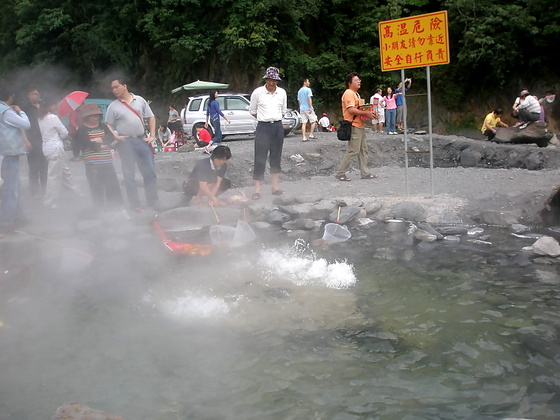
pixel 447 186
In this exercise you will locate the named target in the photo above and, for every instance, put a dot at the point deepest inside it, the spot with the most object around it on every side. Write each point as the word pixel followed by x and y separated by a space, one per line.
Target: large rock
pixel 547 246
pixel 75 411
pixel 536 132
pixel 408 210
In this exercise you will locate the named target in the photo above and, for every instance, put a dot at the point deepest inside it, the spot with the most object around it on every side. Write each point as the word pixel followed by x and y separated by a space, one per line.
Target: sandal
pixel 369 176
pixel 312 137
pixel 342 178
pixel 256 196
pixel 277 192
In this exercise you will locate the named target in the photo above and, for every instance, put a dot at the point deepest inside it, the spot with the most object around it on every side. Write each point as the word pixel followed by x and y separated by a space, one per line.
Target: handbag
pixel 344 132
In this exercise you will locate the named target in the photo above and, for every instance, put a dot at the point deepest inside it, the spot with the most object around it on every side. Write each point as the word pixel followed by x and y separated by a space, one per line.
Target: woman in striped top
pixel 96 142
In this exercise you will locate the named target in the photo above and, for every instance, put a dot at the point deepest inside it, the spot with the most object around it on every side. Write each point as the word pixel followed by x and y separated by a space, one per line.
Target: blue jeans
pixel 10 209
pixel 390 117
pixel 217 139
pixel 135 151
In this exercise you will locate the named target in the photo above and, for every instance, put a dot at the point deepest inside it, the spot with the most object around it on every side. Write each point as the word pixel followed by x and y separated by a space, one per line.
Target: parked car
pixel 236 107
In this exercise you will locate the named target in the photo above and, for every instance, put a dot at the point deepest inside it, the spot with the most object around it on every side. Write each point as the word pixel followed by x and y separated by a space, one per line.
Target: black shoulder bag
pixel 344 132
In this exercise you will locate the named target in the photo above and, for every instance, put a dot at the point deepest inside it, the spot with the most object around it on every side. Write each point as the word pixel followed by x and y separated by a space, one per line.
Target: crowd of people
pixel 129 127
pixel 526 109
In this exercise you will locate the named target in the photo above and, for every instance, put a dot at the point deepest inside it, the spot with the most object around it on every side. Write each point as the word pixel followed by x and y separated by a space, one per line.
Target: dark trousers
pixel 490 134
pixel 75 145
pixel 526 116
pixel 38 166
pixel 269 140
pixel 104 186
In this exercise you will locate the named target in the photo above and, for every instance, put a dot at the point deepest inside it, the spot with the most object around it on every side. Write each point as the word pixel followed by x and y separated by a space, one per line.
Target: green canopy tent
pixel 201 85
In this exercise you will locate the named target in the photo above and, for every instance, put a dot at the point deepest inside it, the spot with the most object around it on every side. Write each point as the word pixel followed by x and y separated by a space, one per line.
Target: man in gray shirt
pixel 125 117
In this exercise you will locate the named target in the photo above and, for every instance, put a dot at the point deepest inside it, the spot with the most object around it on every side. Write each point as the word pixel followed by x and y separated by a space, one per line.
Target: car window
pixel 195 104
pixel 236 104
pixel 220 102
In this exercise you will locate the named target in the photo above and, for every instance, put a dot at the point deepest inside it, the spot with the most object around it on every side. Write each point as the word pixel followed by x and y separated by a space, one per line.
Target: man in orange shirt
pixel 357 145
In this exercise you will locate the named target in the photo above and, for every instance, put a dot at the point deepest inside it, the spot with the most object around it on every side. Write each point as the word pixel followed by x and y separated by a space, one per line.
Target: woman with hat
pixel 96 142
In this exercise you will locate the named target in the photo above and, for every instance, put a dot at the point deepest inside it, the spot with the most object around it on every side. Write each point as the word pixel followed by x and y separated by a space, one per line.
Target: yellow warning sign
pixel 416 41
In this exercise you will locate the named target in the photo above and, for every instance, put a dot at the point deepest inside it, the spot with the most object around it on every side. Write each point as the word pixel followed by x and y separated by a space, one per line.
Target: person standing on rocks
pixel 269 104
pixel 357 145
pixel 305 101
pixel 378 105
pixel 490 123
pixel 400 99
pixel 36 160
pixel 125 118
pixel 12 145
pixel 528 109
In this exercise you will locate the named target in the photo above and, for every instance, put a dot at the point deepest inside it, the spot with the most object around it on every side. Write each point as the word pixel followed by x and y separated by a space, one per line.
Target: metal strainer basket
pixel 335 232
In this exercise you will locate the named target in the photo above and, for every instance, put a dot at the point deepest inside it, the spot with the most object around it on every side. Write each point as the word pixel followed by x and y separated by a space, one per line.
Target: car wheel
pixel 286 132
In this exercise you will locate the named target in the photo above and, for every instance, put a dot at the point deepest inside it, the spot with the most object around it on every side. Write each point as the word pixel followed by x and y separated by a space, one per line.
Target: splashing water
pixel 191 305
pixel 302 267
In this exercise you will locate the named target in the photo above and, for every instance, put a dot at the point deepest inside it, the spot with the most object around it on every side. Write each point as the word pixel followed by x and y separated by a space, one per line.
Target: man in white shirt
pixel 268 106
pixel 528 109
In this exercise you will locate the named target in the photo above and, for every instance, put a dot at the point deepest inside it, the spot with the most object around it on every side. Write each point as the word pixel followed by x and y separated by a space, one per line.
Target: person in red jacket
pixel 204 138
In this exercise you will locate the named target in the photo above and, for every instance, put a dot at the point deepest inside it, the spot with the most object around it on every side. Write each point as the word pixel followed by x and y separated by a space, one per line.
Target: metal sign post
pixel 416 41
pixel 429 87
pixel 405 132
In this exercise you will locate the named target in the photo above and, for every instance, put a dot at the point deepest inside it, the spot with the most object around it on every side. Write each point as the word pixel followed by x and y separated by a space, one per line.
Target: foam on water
pixel 194 306
pixel 272 268
pixel 304 268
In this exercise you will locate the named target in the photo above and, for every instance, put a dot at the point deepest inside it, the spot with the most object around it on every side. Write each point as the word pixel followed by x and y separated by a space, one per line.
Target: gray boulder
pixel 536 132
pixel 346 214
pixel 470 158
pixel 299 224
pixel 408 210
pixel 75 411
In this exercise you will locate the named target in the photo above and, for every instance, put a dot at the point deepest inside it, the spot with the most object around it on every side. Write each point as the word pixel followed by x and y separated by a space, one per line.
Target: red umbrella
pixel 71 102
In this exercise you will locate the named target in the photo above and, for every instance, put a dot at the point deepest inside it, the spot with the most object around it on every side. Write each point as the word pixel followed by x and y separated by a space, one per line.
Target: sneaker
pixel 522 126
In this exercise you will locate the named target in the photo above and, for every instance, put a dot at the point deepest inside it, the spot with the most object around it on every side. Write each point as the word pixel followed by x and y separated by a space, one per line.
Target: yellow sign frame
pixel 416 41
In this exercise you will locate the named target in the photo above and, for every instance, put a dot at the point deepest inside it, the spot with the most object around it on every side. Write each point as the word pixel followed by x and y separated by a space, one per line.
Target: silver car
pixel 235 107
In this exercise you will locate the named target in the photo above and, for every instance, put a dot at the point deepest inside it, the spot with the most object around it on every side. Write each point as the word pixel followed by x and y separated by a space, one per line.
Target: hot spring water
pixel 366 329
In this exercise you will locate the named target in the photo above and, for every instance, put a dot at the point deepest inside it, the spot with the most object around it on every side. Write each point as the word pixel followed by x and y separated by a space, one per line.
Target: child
pixel 207 178
pixel 96 140
pixel 204 138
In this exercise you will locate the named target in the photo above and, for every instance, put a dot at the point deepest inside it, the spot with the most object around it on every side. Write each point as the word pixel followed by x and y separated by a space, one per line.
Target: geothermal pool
pixel 366 329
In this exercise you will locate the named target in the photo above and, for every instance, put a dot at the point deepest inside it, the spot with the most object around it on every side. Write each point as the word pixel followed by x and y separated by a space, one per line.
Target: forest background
pixel 497 47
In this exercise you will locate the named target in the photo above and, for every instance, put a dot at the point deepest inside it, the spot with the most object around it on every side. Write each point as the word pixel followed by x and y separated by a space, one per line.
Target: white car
pixel 235 107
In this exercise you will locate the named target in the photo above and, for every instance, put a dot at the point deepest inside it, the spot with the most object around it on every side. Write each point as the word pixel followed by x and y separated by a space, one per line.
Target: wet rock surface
pixel 75 411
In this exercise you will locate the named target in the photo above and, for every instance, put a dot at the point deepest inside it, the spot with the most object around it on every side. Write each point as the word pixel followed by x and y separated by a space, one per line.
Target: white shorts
pixel 381 116
pixel 308 116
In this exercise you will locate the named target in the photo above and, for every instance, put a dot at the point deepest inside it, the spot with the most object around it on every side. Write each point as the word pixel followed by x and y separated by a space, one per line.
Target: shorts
pixel 380 116
pixel 308 116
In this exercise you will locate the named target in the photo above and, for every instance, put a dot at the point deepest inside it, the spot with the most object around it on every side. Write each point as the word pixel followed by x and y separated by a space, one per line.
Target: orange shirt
pixel 351 99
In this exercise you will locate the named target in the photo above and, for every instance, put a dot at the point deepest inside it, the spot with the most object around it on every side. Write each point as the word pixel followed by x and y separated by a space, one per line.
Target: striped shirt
pixel 93 152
